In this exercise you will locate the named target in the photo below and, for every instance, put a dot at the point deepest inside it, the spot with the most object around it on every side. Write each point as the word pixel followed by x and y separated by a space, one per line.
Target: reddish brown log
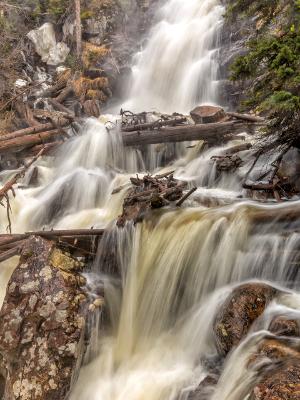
pixel 64 94
pixel 61 108
pixel 31 130
pixel 27 141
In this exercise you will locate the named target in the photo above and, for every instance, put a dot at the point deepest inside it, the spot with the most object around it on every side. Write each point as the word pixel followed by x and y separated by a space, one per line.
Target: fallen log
pixel 32 130
pixel 67 233
pixel 19 143
pixel 10 253
pixel 153 125
pixel 64 94
pixel 246 117
pixel 214 132
pixel 61 108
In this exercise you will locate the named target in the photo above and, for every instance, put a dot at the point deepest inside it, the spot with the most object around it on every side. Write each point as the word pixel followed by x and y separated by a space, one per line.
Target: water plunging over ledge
pixel 178 68
pixel 176 269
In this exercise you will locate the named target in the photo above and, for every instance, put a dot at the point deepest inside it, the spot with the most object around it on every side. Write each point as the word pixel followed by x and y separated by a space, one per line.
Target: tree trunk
pixel 78 30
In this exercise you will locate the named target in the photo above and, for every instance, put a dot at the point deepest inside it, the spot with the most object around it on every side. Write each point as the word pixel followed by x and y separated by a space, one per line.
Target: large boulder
pixel 42 324
pixel 47 48
pixel 207 114
pixel 243 306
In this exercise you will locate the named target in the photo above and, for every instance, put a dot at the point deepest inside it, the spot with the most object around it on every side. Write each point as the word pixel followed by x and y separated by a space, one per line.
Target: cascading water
pixel 178 68
pixel 170 274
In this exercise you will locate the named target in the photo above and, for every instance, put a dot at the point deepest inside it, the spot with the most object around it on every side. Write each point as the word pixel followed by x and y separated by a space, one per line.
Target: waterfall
pixel 164 279
pixel 178 68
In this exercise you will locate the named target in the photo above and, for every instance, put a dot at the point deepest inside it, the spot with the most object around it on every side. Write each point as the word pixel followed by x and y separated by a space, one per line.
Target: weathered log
pixel 18 143
pixel 14 243
pixel 31 130
pixel 153 125
pixel 61 108
pixel 246 117
pixel 259 186
pixel 10 253
pixel 165 175
pixel 215 132
pixel 66 232
pixel 64 94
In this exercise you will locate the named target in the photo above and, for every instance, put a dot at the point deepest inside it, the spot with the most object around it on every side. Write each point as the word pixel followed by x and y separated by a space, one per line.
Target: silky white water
pixel 178 68
pixel 168 275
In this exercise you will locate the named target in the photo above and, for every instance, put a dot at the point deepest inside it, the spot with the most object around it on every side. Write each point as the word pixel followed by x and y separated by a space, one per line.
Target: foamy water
pixel 175 270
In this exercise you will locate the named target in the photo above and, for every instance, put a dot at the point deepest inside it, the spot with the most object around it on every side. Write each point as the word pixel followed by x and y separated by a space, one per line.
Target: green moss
pixel 57 7
pixel 86 14
pixel 272 64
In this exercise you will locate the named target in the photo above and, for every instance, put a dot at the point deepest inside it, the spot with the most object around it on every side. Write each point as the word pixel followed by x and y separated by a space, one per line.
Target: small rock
pixel 281 382
pixel 99 302
pixel 284 326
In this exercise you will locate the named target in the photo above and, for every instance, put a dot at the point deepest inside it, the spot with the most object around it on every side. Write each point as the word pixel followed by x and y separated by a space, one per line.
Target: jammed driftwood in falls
pixel 152 192
pixel 213 133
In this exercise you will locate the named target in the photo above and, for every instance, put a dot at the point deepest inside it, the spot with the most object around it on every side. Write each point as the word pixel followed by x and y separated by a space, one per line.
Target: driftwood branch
pixel 154 125
pixel 186 196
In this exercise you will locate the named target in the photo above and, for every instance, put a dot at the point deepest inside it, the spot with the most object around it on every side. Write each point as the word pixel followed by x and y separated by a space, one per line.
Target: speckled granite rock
pixel 42 324
pixel 244 305
pixel 280 382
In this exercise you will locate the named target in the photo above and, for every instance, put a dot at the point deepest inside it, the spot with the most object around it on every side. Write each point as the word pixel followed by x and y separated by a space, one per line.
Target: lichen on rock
pixel 42 330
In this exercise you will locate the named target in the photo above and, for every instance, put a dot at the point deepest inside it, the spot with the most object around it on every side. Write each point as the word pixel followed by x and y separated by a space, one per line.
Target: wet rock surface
pixel 42 324
pixel 283 326
pixel 244 305
pixel 281 382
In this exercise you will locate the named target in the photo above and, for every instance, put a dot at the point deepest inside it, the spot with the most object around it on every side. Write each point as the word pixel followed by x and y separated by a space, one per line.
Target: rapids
pixel 176 269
